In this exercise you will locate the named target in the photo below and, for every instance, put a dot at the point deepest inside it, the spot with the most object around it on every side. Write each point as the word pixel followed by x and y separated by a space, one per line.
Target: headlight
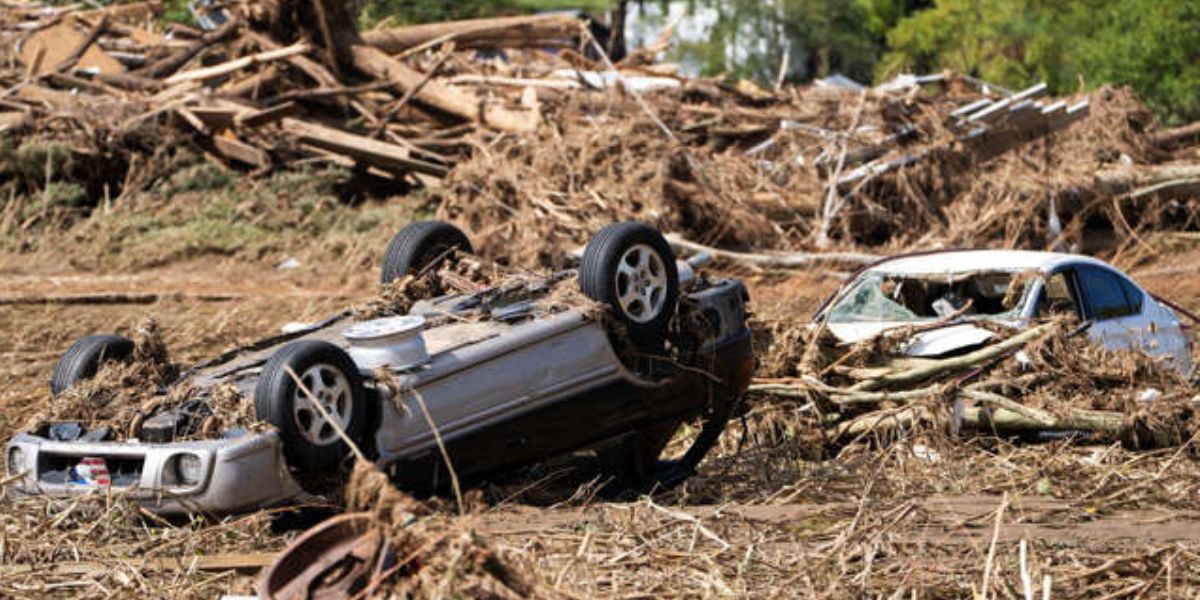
pixel 16 460
pixel 184 469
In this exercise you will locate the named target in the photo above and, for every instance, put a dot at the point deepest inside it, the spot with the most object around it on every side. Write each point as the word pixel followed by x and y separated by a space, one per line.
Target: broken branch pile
pixel 1049 380
pixel 256 89
pixel 542 140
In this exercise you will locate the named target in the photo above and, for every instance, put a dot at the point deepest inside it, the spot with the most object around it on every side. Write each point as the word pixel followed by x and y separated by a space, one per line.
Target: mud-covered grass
pixel 203 210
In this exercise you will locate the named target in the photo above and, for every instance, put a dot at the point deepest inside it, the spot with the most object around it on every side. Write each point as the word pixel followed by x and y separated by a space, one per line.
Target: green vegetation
pixel 1150 45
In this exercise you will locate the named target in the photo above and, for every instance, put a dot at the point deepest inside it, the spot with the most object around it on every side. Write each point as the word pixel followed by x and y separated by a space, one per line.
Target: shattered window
pixel 1056 298
pixel 897 298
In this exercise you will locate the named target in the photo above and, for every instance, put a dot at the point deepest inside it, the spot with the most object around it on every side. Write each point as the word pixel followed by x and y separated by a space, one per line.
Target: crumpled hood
pixel 935 342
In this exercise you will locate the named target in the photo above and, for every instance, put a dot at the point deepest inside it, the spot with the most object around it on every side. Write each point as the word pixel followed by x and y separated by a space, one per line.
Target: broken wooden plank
pixel 211 562
pixel 384 155
pixel 54 46
pixel 231 147
pixel 225 68
pixel 254 118
pixel 216 118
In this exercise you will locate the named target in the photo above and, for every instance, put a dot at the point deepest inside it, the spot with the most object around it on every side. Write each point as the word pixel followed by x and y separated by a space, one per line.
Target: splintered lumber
pixel 225 68
pixel 386 156
pixel 511 32
pixel 235 149
pixel 446 99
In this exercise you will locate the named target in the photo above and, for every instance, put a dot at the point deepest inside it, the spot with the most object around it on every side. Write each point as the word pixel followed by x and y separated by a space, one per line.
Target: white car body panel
pixel 1155 330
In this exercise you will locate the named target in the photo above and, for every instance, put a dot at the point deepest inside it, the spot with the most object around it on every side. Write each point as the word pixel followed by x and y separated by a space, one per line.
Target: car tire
pixel 417 245
pixel 84 358
pixel 631 268
pixel 310 443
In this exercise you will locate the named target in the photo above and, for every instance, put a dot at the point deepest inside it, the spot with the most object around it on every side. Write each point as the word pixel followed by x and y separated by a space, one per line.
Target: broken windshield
pixel 882 297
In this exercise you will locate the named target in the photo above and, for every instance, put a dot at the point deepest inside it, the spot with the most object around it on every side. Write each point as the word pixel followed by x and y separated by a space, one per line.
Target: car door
pixel 1117 309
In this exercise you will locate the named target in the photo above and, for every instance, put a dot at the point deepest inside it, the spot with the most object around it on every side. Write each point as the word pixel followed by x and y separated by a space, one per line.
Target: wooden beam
pixel 386 156
pixel 235 149
pixel 267 115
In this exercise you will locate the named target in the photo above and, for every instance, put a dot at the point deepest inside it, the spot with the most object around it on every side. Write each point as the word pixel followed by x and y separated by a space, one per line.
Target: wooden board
pixel 59 41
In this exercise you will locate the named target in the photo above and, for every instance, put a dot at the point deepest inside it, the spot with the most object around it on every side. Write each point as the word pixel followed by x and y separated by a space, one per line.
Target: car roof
pixel 966 261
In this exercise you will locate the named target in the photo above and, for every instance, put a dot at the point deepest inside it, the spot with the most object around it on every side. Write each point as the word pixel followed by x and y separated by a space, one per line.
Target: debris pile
pixel 1045 382
pixel 541 139
pixel 258 87
pixel 389 545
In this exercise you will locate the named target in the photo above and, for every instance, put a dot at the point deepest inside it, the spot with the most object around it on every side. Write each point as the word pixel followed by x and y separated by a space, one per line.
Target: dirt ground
pixel 767 516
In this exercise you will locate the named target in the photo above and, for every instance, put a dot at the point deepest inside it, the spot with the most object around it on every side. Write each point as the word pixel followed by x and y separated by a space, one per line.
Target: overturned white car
pixel 949 298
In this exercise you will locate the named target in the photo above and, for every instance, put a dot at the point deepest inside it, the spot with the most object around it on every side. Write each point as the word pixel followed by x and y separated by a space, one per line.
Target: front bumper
pixel 240 473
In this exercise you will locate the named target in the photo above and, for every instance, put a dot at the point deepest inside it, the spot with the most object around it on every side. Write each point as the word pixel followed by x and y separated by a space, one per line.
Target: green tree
pixel 1151 45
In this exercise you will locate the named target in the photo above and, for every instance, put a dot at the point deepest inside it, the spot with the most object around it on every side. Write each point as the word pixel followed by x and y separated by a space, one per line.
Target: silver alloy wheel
pixel 331 388
pixel 641 283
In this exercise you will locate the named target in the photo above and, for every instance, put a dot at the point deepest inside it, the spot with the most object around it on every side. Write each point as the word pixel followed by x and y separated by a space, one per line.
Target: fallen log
pixel 1114 182
pixel 508 32
pixel 1177 136
pixel 964 361
pixel 781 260
pixel 448 100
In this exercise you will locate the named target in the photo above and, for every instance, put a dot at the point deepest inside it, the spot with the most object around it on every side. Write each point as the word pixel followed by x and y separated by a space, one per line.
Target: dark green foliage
pixel 1150 45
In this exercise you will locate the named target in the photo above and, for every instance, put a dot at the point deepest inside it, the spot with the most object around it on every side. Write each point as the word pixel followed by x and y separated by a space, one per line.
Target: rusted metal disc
pixel 335 559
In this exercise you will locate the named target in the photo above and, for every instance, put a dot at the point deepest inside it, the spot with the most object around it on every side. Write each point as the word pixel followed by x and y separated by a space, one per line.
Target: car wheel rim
pixel 331 389
pixel 641 283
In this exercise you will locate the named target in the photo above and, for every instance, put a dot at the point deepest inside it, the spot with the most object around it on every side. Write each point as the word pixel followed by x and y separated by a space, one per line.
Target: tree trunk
pixel 511 32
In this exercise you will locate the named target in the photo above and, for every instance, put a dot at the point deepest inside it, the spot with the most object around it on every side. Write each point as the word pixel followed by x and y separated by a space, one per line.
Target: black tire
pixel 601 280
pixel 276 393
pixel 418 244
pixel 83 359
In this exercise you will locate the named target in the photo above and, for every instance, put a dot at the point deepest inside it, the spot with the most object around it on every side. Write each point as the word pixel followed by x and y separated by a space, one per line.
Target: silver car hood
pixel 935 342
